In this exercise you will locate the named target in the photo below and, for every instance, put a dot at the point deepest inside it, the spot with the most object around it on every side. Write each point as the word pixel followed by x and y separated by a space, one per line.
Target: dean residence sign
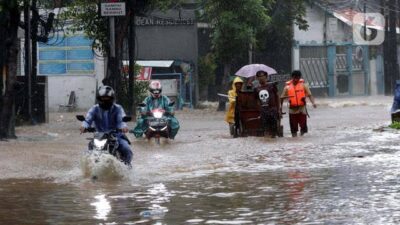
pixel 156 21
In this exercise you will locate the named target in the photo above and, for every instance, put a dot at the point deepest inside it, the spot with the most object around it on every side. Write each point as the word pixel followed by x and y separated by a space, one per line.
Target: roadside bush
pixel 395 125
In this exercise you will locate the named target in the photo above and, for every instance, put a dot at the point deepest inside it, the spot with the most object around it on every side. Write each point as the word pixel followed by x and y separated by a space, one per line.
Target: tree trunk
pixel 387 80
pixel 224 87
pixel 114 64
pixel 131 53
pixel 7 117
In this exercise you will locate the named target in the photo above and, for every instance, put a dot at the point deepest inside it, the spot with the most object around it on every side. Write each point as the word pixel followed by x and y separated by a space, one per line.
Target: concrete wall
pixel 172 42
pixel 315 33
pixel 157 42
pixel 60 87
pixel 374 78
pixel 323 28
pixel 168 41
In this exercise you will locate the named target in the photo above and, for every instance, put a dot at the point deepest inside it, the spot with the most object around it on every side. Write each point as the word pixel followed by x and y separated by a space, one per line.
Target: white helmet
pixel 155 88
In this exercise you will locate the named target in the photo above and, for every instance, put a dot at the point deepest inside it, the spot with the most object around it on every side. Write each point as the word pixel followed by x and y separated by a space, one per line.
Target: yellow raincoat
pixel 230 114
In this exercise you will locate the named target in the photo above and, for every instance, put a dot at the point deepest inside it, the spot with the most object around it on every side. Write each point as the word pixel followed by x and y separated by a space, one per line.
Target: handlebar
pixel 93 130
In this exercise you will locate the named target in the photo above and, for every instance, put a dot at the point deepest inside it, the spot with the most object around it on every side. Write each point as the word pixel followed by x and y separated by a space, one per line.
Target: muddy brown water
pixel 344 171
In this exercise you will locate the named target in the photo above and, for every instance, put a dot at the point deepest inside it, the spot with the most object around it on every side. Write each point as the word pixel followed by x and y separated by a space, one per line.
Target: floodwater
pixel 344 171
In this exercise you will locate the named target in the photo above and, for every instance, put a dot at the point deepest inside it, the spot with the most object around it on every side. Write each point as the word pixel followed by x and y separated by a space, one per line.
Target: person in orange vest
pixel 296 92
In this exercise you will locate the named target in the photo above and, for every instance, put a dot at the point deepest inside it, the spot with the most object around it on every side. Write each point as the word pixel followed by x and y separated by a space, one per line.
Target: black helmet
pixel 105 97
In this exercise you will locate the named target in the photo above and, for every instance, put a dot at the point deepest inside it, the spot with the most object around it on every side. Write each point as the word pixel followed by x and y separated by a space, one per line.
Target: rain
pixel 342 170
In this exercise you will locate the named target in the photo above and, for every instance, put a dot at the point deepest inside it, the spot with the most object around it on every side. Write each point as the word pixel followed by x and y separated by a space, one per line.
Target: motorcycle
pixel 102 151
pixel 157 123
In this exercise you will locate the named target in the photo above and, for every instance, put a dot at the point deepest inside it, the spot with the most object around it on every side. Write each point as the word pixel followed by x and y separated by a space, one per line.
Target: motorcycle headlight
pixel 157 115
pixel 99 144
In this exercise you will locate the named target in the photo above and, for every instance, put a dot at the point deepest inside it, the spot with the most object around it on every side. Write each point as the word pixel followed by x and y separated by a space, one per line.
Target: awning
pixel 152 63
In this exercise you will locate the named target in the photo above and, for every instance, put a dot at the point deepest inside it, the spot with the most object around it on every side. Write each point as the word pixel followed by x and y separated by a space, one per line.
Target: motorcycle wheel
pixel 157 139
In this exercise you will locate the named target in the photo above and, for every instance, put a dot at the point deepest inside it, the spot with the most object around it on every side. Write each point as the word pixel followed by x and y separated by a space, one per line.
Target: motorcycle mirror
pixel 142 104
pixel 171 103
pixel 80 117
pixel 126 118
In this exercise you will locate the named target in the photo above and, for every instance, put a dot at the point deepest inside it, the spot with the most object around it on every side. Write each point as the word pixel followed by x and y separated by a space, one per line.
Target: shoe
pixel 294 134
pixel 302 133
pixel 129 165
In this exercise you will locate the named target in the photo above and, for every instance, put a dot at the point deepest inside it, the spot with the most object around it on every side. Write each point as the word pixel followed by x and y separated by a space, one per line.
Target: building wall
pixel 323 28
pixel 60 87
pixel 315 33
pixel 167 43
pixel 159 39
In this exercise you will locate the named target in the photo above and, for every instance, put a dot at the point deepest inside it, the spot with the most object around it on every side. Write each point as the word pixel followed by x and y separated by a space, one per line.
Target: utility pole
pixel 111 57
pixel 131 52
pixel 365 21
pixel 392 38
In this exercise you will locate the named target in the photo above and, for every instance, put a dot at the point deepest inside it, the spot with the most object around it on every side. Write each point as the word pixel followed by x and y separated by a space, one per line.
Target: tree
pixel 10 12
pixel 277 39
pixel 235 24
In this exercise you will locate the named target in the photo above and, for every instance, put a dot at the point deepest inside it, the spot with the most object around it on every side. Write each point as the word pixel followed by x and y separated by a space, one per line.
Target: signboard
pixel 70 55
pixel 280 77
pixel 154 21
pixel 113 9
pixel 144 74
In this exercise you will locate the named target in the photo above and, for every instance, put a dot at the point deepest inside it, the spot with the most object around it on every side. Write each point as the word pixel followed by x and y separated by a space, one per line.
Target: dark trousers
pixel 297 120
pixel 125 150
pixel 269 119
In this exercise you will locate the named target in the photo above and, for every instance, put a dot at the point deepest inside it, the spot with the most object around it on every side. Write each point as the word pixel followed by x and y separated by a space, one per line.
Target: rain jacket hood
pixel 235 81
pixel 229 117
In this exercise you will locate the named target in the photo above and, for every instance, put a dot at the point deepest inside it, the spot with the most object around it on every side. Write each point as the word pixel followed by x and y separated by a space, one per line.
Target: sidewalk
pixel 335 102
pixel 338 102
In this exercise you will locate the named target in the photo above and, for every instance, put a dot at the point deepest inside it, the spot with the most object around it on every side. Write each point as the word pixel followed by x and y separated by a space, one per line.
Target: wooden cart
pixel 248 116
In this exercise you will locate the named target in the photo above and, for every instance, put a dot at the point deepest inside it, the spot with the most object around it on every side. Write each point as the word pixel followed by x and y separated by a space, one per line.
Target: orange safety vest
pixel 297 94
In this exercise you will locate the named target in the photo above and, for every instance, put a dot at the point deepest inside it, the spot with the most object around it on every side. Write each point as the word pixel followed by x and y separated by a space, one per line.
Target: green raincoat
pixel 153 103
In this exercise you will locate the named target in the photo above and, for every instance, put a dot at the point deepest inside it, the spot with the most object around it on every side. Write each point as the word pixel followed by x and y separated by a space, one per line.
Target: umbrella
pixel 251 70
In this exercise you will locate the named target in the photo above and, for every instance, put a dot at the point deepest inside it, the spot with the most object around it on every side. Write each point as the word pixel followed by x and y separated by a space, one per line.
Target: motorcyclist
pixel 107 116
pixel 156 100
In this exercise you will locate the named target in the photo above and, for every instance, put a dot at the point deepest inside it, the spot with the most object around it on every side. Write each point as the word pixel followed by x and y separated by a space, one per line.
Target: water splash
pixel 104 167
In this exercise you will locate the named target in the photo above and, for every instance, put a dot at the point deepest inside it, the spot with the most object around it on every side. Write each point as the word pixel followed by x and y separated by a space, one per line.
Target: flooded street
pixel 344 171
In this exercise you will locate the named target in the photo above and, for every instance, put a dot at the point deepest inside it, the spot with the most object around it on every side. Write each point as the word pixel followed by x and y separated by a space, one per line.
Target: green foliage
pixel 207 67
pixel 139 91
pixel 235 25
pixel 85 18
pixel 277 39
pixel 395 125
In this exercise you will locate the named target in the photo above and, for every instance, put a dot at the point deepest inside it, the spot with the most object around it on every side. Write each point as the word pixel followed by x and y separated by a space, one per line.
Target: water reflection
pixel 287 196
pixel 103 207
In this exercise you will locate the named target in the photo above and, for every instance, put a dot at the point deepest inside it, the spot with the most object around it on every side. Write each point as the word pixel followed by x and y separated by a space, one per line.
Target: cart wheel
pixel 238 130
pixel 235 132
pixel 232 129
pixel 280 131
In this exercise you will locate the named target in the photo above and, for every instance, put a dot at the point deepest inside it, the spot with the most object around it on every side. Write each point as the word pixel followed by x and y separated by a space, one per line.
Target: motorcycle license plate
pixel 157 124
